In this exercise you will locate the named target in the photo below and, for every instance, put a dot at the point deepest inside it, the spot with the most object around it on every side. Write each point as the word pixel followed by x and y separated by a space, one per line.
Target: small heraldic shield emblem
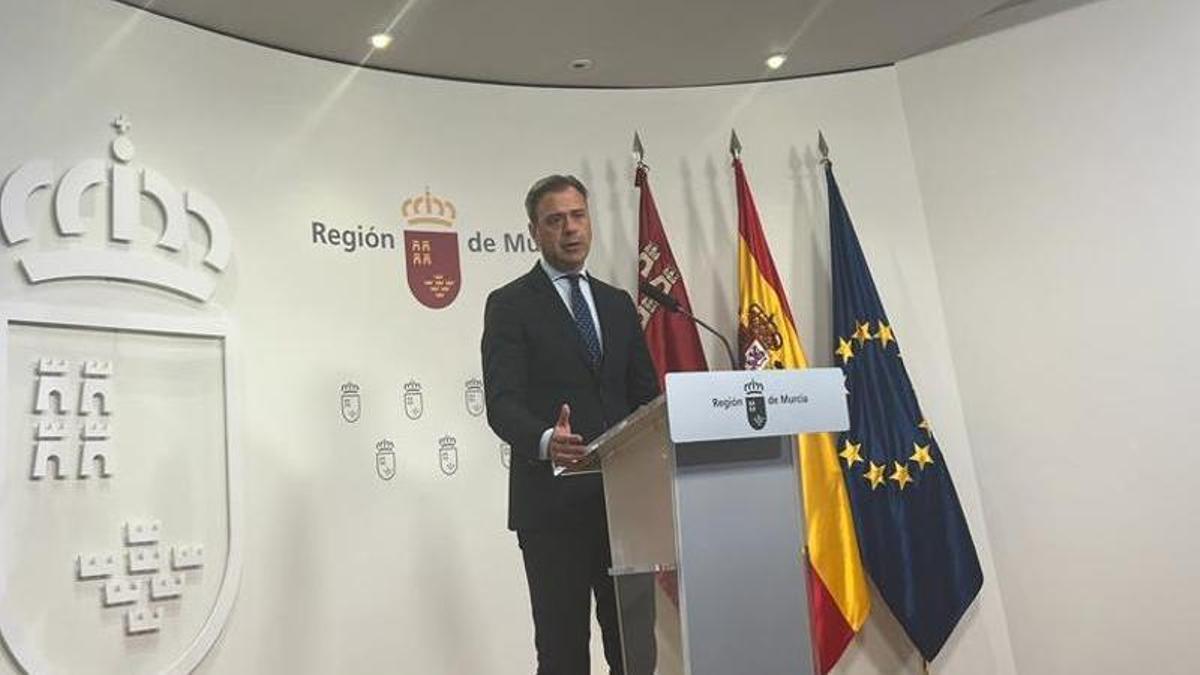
pixel 473 394
pixel 414 401
pixel 385 459
pixel 448 455
pixel 351 402
pixel 756 405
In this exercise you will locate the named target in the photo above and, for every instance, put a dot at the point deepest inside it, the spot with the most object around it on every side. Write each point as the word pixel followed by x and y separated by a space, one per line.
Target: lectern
pixel 705 521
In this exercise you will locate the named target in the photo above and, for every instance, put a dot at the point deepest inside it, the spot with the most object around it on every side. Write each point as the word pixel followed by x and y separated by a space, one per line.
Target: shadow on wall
pixel 810 255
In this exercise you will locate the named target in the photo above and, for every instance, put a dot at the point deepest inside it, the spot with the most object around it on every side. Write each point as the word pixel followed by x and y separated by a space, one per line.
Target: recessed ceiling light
pixel 582 64
pixel 381 40
pixel 776 60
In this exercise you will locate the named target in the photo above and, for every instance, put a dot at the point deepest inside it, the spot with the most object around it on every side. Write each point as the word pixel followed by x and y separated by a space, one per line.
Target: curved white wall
pixel 348 573
pixel 1060 164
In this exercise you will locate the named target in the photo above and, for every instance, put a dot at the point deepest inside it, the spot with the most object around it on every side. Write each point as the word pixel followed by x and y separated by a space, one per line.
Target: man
pixel 563 360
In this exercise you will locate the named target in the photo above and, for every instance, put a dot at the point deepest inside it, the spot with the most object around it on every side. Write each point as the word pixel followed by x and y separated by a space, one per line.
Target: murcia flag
pixel 671 337
pixel 767 338
pixel 911 528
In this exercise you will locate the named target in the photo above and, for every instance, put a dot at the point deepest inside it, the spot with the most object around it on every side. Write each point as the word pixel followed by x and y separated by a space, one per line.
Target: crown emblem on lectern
pixel 756 404
pixel 426 209
pixel 125 256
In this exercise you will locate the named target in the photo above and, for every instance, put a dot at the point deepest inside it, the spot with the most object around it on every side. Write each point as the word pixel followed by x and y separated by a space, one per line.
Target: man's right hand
pixel 565 448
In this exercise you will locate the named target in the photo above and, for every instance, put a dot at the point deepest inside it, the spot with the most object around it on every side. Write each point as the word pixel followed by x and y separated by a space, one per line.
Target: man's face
pixel 563 229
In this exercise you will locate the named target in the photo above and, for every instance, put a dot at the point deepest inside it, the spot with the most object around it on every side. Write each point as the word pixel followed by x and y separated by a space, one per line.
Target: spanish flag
pixel 767 338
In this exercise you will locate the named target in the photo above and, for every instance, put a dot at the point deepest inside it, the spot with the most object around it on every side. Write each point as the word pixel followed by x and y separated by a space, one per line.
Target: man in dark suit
pixel 563 360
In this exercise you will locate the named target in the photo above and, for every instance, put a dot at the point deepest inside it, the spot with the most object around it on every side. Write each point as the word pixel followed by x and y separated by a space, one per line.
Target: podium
pixel 706 523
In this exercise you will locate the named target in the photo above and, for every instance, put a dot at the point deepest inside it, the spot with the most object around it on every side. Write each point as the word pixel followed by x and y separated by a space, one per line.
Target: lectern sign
pixel 743 404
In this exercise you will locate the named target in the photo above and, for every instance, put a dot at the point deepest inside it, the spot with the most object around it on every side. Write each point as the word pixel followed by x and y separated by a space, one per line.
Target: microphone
pixel 672 305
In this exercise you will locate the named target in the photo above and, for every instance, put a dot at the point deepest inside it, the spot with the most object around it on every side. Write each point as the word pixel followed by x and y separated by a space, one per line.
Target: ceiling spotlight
pixel 582 64
pixel 381 40
pixel 776 60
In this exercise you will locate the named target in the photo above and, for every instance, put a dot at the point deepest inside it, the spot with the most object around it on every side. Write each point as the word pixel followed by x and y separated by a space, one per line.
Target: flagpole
pixel 639 152
pixel 823 148
pixel 735 145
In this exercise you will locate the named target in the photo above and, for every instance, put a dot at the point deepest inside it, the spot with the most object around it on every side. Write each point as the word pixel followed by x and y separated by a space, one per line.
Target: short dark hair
pixel 544 186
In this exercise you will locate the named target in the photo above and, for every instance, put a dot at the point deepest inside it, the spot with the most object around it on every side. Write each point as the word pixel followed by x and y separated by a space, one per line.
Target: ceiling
pixel 631 43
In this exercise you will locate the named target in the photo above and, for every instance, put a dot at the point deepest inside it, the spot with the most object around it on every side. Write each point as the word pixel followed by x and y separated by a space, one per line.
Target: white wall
pixel 1059 164
pixel 347 573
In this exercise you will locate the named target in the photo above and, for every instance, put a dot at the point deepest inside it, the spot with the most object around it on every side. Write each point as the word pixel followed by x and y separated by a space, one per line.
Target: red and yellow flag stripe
pixel 838 596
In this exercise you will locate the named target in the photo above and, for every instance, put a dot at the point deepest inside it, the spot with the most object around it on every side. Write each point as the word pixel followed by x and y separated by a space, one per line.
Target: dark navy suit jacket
pixel 533 362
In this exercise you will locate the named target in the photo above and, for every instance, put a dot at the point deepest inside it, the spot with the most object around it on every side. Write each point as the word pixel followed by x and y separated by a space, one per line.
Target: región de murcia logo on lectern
pixel 119 542
pixel 756 405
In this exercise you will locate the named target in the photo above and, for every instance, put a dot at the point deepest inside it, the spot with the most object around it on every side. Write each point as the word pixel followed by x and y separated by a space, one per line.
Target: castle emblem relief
pixel 68 432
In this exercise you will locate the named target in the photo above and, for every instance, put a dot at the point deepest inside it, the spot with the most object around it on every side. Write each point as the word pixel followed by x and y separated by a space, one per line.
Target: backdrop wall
pixel 345 571
pixel 1059 164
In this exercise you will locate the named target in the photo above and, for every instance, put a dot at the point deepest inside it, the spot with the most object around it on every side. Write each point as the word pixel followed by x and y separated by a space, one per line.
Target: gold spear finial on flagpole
pixel 735 145
pixel 639 152
pixel 823 148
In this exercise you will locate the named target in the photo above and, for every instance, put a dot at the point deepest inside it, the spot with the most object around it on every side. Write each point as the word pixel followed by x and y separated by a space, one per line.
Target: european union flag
pixel 911 529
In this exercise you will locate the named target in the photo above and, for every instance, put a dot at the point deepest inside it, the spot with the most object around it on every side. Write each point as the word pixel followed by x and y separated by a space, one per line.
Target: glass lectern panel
pixel 650 628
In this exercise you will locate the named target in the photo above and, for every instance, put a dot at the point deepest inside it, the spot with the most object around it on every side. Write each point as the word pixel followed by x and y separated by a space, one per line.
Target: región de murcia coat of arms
pixel 351 402
pixel 473 395
pixel 448 455
pixel 414 401
pixel 756 405
pixel 120 547
pixel 385 459
pixel 431 250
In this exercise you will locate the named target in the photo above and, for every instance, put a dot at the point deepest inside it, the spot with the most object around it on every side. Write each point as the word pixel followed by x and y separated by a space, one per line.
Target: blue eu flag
pixel 911 529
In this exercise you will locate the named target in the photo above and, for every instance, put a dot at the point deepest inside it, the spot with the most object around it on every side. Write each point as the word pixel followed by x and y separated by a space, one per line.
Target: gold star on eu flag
pixel 844 350
pixel 900 475
pixel 921 456
pixel 850 453
pixel 863 334
pixel 885 335
pixel 874 475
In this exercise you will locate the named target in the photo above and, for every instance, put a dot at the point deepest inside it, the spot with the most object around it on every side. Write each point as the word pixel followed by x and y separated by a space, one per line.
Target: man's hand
pixel 565 448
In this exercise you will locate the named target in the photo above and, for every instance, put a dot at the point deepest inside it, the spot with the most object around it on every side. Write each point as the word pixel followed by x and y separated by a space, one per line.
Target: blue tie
pixel 583 321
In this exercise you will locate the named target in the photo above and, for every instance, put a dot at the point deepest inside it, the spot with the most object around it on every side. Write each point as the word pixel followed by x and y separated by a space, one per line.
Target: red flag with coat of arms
pixel 672 338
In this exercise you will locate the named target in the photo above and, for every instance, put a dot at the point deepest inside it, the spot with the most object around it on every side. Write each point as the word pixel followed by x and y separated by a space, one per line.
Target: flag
pixel 672 338
pixel 911 529
pixel 767 338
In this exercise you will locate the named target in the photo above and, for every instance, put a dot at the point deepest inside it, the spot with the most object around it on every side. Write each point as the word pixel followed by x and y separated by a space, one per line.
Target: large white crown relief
pixel 121 260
